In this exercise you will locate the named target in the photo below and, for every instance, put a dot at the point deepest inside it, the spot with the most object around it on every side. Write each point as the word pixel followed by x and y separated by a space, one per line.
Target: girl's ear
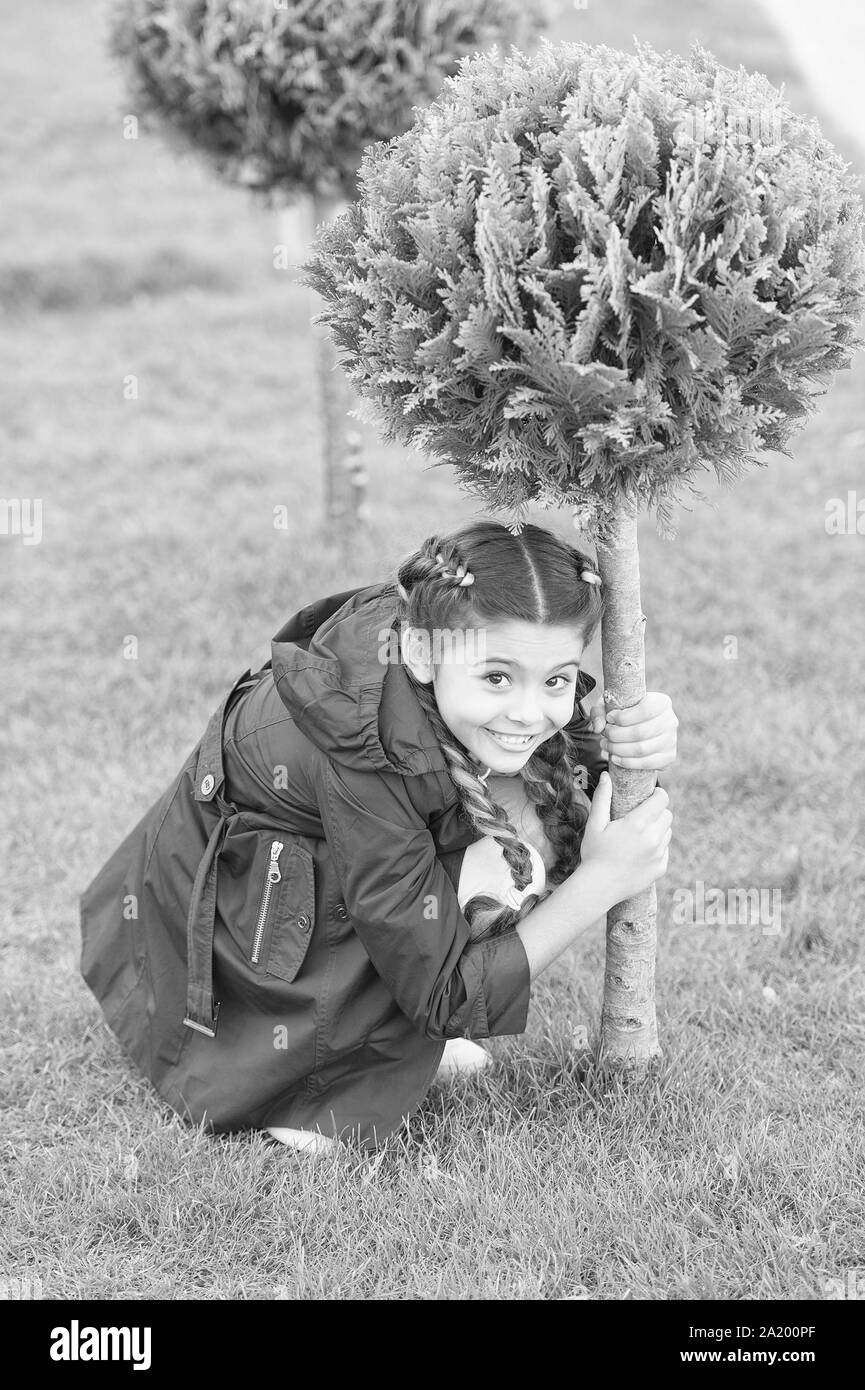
pixel 415 651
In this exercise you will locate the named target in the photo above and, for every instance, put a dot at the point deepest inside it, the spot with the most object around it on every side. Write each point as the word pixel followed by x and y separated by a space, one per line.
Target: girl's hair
pixel 534 577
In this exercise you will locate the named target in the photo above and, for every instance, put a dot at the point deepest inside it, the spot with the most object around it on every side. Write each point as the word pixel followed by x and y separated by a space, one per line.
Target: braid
pixel 436 588
pixel 484 814
pixel 549 780
pixel 422 567
pixel 437 562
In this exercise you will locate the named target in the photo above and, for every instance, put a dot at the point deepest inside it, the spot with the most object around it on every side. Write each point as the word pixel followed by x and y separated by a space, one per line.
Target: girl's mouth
pixel 514 743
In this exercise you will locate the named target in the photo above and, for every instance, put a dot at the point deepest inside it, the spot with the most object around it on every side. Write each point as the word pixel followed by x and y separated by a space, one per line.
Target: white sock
pixel 462 1055
pixel 307 1140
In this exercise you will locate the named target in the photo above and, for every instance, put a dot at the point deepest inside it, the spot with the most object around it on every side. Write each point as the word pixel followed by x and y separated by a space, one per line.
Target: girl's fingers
pixel 648 812
pixel 597 717
pixel 641 748
pixel 639 713
pixel 646 729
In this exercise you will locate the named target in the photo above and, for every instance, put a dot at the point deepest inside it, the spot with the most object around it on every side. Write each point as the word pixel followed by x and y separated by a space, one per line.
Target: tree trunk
pixel 336 399
pixel 629 1028
pixel 297 224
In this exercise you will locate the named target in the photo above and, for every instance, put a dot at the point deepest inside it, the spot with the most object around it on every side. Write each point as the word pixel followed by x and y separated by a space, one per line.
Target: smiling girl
pixel 376 847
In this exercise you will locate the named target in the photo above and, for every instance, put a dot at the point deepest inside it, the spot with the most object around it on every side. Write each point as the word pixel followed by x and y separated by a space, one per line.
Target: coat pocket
pixel 293 915
pixel 266 896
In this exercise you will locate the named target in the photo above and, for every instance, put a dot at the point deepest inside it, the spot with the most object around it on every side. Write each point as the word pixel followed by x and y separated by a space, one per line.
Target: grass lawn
pixel 736 1173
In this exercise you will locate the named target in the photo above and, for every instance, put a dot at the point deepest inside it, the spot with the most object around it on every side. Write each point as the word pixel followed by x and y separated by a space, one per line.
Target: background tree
pixel 282 96
pixel 583 278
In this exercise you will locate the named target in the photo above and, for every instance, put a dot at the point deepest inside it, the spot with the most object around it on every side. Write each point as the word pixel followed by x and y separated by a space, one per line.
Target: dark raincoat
pixel 278 941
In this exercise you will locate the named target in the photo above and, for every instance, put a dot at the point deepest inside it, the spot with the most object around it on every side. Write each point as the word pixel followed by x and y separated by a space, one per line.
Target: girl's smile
pixel 515 742
pixel 520 694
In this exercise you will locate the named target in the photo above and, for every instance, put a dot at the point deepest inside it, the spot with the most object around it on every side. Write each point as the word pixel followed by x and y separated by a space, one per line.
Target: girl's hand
pixel 643 736
pixel 631 852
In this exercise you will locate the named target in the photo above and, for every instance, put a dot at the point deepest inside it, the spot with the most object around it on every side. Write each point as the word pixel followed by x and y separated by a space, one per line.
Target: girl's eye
pixel 492 674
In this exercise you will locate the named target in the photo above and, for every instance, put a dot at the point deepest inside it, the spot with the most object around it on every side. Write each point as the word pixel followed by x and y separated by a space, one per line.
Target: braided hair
pixel 480 574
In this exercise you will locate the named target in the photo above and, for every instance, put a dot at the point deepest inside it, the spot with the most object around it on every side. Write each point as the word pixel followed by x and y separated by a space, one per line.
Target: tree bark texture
pixel 629 1029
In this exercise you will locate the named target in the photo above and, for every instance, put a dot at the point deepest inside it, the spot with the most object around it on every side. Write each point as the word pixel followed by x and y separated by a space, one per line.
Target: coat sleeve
pixel 404 907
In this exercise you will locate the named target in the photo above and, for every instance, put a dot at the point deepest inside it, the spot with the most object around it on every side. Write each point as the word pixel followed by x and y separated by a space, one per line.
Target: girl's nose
pixel 527 713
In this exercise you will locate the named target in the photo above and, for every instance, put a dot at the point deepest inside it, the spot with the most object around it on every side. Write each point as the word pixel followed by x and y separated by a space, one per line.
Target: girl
pixel 379 842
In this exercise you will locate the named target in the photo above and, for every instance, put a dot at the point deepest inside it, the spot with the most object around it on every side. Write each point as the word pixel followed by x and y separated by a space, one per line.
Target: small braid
pixel 423 566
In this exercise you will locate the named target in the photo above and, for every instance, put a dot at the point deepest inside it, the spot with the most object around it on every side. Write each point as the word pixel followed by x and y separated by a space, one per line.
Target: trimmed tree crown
pixel 284 96
pixel 588 271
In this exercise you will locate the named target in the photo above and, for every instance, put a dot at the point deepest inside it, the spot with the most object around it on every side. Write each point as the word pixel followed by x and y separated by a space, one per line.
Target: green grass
pixel 733 1174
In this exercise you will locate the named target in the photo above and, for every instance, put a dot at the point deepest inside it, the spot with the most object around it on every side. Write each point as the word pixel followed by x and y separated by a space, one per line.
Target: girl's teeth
pixel 511 742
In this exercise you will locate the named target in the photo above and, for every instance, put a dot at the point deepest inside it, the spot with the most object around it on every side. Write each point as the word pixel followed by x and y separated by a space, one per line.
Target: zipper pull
pixel 275 851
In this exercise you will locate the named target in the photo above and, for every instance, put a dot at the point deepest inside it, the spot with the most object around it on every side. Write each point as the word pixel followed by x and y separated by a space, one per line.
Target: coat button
pixel 207 784
pixel 340 912
pixel 303 922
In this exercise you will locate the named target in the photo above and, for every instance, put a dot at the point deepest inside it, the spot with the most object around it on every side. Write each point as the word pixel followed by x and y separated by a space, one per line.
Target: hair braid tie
pixel 462 574
pixel 427 568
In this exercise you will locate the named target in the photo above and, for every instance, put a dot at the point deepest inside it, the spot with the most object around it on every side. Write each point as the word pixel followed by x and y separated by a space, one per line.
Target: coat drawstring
pixel 202 1010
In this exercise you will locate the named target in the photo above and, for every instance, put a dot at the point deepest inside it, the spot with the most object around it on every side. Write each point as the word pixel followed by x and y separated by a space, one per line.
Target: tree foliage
pixel 285 94
pixel 588 269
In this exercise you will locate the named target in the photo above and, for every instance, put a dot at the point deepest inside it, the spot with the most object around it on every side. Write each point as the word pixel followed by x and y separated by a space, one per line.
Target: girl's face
pixel 507 690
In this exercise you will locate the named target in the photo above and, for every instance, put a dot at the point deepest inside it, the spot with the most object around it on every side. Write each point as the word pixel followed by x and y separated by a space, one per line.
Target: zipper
pixel 273 876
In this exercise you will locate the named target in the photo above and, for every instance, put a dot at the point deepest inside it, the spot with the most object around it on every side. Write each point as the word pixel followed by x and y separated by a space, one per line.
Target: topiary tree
pixel 584 278
pixel 281 96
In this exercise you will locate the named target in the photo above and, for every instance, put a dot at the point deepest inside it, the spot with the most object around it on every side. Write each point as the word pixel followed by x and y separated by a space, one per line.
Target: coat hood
pixel 349 698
